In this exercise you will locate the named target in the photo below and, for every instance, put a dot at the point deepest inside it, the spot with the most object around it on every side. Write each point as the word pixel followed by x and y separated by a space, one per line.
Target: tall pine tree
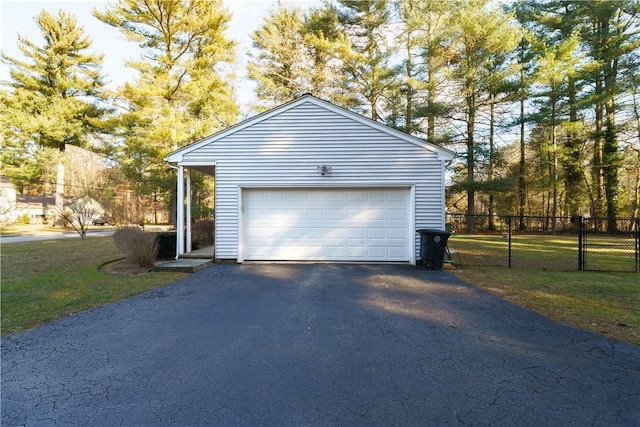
pixel 54 96
pixel 183 90
pixel 368 59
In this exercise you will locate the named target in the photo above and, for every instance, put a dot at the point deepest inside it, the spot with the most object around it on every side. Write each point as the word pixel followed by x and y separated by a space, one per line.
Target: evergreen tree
pixel 324 40
pixel 278 62
pixel 367 60
pixel 182 92
pixel 54 96
pixel 425 38
pixel 611 33
pixel 483 36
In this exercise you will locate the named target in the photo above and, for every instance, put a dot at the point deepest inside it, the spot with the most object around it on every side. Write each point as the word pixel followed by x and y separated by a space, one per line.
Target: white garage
pixel 337 224
pixel 310 181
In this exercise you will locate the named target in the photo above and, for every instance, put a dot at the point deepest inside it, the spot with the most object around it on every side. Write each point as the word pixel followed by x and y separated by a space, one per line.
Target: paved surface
pixel 316 345
pixel 54 235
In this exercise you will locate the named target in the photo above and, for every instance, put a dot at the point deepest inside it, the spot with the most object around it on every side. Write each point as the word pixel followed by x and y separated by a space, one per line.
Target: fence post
pixel 580 243
pixel 509 238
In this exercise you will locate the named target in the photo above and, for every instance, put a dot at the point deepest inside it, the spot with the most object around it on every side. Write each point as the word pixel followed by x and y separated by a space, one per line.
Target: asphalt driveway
pixel 316 345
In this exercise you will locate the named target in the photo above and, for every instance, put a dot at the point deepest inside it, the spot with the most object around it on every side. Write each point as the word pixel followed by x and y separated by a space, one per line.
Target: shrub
pixel 23 219
pixel 166 244
pixel 140 248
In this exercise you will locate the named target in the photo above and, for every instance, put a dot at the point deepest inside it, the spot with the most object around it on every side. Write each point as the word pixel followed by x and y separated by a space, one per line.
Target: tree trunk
pixel 492 159
pixel 471 193
pixel 597 165
pixel 59 195
pixel 521 164
pixel 409 107
pixel 431 115
pixel 571 163
pixel 554 162
pixel 610 148
pixel 611 165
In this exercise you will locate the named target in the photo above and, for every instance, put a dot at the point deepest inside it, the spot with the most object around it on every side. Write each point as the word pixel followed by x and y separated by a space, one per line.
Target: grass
pixel 560 252
pixel 46 280
pixel 605 303
pixel 7 230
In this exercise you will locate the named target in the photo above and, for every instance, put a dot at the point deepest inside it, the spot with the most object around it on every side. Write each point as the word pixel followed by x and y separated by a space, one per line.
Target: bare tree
pixel 81 213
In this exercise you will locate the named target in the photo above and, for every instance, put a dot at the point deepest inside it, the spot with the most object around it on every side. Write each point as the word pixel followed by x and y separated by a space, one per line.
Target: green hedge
pixel 166 244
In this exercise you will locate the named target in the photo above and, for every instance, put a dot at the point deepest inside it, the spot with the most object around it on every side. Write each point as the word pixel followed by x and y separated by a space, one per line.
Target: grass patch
pixel 29 229
pixel 560 252
pixel 605 303
pixel 46 280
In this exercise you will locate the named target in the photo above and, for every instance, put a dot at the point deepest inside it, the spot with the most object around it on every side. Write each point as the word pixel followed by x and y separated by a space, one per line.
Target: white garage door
pixel 326 224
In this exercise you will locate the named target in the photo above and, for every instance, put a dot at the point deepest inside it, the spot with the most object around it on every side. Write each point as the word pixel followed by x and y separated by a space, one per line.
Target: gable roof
pixel 443 153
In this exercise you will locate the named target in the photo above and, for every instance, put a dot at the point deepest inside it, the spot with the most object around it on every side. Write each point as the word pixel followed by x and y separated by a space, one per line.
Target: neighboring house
pixel 311 181
pixel 38 208
pixel 13 205
pixel 7 201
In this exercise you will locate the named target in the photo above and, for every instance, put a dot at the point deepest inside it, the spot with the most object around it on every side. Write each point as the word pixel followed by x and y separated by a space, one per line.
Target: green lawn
pixel 603 253
pixel 45 280
pixel 605 303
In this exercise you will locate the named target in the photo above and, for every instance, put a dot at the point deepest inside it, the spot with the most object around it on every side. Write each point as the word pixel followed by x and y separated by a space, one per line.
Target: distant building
pixel 7 201
pixel 38 208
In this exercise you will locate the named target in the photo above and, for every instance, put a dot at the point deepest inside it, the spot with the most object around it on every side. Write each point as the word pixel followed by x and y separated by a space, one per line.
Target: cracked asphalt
pixel 316 345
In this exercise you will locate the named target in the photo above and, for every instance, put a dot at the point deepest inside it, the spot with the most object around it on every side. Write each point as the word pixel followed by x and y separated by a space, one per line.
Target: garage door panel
pixel 375 233
pixel 275 197
pixel 314 197
pixel 377 196
pixel 326 224
pixel 294 196
pixel 315 214
pixel 335 214
pixel 356 196
pixel 396 214
pixel 335 196
pixel 315 232
pixel 396 251
pixel 335 252
pixel 335 233
pixel 355 233
pixel 376 252
pixel 397 233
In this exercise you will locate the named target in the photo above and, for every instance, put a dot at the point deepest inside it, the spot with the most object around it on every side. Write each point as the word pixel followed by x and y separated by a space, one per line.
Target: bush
pixel 23 219
pixel 166 244
pixel 140 248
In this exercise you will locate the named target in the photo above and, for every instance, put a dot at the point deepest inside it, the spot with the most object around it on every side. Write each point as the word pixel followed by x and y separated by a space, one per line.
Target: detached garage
pixel 310 181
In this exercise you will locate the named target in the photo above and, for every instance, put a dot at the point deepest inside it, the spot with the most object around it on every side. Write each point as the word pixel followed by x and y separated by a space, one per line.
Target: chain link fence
pixel 551 243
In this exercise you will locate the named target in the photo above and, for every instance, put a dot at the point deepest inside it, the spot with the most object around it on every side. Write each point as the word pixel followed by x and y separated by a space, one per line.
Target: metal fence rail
pixel 551 243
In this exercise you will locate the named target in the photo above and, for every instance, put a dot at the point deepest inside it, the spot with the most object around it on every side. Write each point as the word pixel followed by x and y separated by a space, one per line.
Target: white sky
pixel 16 16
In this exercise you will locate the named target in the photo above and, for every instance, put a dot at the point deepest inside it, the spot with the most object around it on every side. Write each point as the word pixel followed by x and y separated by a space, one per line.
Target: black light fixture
pixel 324 169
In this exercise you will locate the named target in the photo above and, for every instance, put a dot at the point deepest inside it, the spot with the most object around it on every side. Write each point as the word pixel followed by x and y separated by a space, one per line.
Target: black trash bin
pixel 433 245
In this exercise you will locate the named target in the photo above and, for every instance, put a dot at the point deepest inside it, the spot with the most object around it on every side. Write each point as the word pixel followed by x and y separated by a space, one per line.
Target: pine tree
pixel 425 40
pixel 367 60
pixel 611 32
pixel 279 63
pixel 483 35
pixel 54 96
pixel 182 91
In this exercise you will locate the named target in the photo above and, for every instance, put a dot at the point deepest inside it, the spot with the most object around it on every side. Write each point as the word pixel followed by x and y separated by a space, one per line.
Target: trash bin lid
pixel 433 231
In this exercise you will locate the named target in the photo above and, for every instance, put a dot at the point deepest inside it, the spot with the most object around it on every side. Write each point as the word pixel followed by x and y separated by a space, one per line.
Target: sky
pixel 17 17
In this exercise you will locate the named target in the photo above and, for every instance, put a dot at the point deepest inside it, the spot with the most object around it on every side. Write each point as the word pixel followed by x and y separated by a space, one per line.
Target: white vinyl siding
pixel 285 149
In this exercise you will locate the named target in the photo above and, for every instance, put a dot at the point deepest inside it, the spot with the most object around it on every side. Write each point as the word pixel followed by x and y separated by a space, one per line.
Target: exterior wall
pixel 285 150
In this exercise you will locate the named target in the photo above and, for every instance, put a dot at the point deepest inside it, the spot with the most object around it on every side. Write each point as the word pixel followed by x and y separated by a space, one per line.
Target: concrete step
pixel 183 265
